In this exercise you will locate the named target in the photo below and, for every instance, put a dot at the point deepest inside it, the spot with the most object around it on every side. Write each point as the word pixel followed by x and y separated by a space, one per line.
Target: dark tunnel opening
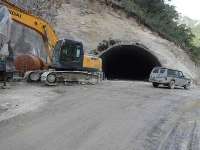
pixel 128 62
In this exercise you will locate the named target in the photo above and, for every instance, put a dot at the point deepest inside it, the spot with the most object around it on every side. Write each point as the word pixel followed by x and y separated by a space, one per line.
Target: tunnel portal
pixel 128 62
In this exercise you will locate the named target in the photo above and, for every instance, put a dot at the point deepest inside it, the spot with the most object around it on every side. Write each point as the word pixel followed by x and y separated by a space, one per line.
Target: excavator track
pixel 33 76
pixel 51 78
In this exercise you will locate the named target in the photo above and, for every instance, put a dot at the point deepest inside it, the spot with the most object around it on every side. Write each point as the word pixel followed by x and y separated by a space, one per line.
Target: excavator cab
pixel 68 55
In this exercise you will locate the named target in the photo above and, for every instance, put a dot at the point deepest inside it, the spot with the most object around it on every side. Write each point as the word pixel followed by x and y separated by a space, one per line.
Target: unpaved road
pixel 114 115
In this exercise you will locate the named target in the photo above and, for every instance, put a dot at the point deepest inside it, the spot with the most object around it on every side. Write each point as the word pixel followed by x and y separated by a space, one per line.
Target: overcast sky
pixel 190 8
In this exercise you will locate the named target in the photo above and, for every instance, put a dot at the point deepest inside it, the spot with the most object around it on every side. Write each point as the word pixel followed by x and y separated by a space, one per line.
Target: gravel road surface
pixel 114 115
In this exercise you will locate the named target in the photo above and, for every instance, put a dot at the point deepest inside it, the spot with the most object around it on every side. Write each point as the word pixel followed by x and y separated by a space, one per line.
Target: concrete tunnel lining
pixel 128 62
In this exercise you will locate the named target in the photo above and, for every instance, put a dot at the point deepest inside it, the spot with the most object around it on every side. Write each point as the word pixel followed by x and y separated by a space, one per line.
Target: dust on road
pixel 114 115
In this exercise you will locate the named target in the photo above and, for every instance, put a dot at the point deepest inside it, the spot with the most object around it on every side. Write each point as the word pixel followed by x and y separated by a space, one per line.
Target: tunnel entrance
pixel 128 62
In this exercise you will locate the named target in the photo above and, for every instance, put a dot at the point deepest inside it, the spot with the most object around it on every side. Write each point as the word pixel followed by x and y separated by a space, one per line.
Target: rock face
pixel 26 41
pixel 91 22
pixel 44 8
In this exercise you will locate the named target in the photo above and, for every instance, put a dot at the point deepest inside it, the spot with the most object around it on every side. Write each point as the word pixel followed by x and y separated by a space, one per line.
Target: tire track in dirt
pixel 177 131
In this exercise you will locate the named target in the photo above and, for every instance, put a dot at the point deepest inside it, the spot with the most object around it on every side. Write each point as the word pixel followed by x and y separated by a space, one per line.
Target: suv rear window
pixel 155 70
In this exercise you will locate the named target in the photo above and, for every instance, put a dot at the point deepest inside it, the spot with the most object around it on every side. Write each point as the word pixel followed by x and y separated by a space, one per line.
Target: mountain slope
pixel 93 22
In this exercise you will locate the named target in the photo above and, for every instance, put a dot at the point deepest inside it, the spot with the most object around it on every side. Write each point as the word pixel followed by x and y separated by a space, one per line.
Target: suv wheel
pixel 171 84
pixel 155 85
pixel 186 87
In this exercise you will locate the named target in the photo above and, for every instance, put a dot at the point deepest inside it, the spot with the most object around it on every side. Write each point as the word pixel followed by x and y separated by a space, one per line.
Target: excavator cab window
pixel 78 52
pixel 68 55
pixel 70 52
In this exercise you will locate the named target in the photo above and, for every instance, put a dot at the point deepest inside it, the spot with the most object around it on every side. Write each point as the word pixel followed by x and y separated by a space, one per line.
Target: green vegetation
pixel 161 17
pixel 195 26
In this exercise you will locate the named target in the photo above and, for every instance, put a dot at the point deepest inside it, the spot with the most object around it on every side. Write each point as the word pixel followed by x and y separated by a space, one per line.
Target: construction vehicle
pixel 66 60
pixel 69 64
pixel 5 26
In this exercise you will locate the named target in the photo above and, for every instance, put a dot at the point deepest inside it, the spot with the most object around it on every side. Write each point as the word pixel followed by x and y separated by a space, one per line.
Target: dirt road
pixel 114 115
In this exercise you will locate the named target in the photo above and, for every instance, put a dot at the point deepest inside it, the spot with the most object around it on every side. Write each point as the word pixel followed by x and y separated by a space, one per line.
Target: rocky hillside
pixel 92 21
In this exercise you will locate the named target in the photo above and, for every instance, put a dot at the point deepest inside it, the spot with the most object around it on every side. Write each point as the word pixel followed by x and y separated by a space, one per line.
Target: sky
pixel 190 8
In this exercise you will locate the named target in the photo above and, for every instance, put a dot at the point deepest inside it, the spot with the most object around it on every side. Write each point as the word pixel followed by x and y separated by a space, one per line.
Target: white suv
pixel 169 77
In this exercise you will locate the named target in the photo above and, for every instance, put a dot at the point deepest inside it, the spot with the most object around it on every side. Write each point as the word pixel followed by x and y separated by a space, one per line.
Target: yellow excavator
pixel 66 60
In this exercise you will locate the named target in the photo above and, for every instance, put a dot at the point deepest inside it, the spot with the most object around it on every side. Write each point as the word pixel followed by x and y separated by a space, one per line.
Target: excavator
pixel 66 60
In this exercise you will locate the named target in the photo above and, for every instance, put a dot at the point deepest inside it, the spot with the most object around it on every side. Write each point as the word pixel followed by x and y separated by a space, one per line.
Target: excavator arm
pixel 36 23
